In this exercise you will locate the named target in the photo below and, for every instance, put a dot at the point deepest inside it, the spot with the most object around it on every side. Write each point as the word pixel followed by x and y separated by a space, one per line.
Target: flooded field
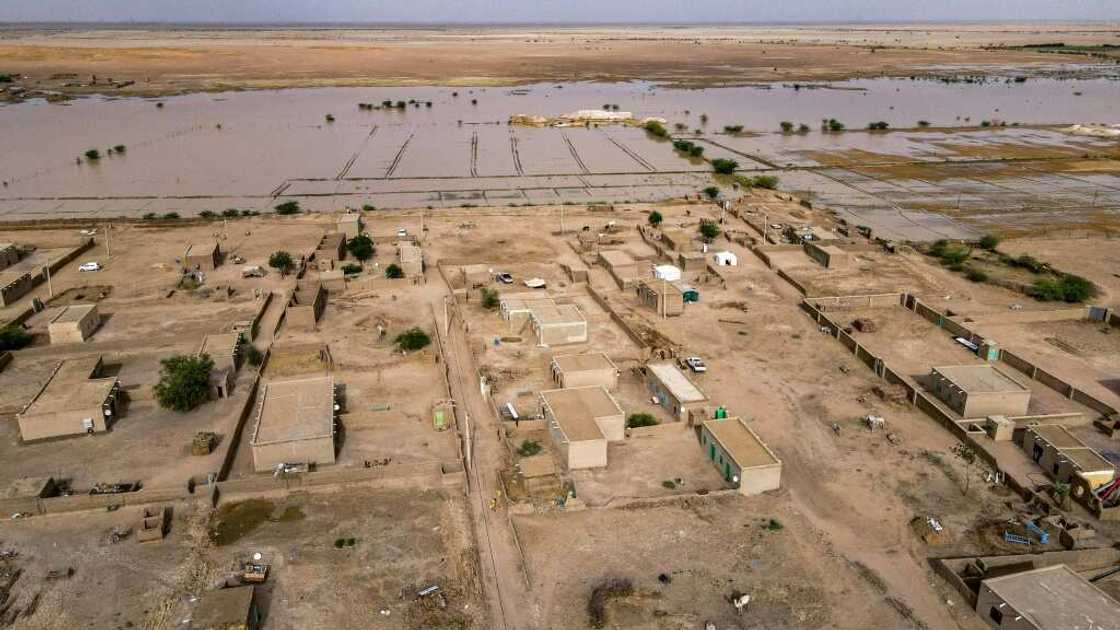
pixel 247 149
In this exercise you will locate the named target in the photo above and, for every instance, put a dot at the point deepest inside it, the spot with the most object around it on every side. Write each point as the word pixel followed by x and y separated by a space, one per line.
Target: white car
pixel 90 266
pixel 696 364
pixel 402 233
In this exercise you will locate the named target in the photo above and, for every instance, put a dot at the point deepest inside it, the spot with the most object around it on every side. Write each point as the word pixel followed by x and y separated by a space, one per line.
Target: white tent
pixel 669 273
pixel 726 259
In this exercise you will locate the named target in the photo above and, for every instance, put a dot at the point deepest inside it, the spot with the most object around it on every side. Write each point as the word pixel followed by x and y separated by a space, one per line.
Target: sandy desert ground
pixel 171 61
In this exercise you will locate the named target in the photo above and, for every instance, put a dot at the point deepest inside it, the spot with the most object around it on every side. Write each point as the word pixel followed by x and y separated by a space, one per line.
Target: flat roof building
pixel 350 224
pixel 1065 457
pixel 73 401
pixel 517 308
pixel 295 423
pixel 9 255
pixel 665 298
pixel 675 392
pixel 227 609
pixel 14 285
pixel 979 391
pixel 679 240
pixel 558 324
pixel 73 324
pixel 622 267
pixel 225 351
pixel 585 370
pixel 204 256
pixel 306 305
pixel 411 259
pixel 330 250
pixel 1050 598
pixel 475 276
pixel 830 256
pixel 740 455
pixel 581 421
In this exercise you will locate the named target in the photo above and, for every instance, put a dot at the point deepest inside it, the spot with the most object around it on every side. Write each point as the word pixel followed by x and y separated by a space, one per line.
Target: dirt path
pixel 498 555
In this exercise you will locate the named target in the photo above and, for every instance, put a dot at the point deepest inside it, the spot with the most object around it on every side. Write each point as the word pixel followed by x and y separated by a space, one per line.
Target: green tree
pixel 394 271
pixel 13 337
pixel 361 246
pixel 529 448
pixel 184 382
pixel 733 129
pixel 640 420
pixel 413 339
pixel 655 218
pixel 724 166
pixel 989 242
pixel 93 155
pixel 351 268
pixel 1065 288
pixel 253 355
pixel 329 118
pixel 281 261
pixel 656 129
pixel 696 150
pixel 709 229
pixel 229 213
pixel 712 192
pixel 787 126
pixel 803 128
pixel 490 299
pixel 288 207
pixel 207 214
pixel 977 275
pixel 120 148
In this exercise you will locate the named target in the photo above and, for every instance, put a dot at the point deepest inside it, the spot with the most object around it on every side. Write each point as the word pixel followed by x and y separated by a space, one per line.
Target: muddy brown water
pixel 250 149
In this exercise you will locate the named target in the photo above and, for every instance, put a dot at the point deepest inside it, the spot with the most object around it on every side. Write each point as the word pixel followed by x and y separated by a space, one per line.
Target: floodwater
pixel 246 149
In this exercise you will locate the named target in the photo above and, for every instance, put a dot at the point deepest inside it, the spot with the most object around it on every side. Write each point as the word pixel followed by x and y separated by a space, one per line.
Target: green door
pixel 712 451
pixel 727 471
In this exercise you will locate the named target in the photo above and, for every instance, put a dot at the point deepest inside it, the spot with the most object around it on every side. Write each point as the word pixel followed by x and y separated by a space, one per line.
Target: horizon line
pixel 567 23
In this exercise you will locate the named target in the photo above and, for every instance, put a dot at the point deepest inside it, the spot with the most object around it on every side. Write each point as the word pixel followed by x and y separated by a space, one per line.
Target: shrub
pixel 230 212
pixel 803 128
pixel 655 218
pixel 703 119
pixel 207 214
pixel 170 216
pixel 769 182
pixel 329 118
pixel 394 271
pixel 361 246
pixel 351 268
pixel 413 339
pixel 184 382
pixel 249 213
pixel 989 242
pixel 878 126
pixel 923 123
pixel 253 356
pixel 656 129
pixel 490 299
pixel 1032 264
pixel 640 420
pixel 733 129
pixel 682 145
pixel 368 208
pixel 1065 288
pixel 774 525
pixel 669 484
pixel 977 275
pixel 787 126
pixel 696 150
pixel 281 261
pixel 120 148
pixel 148 216
pixel 724 166
pixel 709 229
pixel 681 127
pixel 529 448
pixel 288 207
pixel 93 155
pixel 13 337
pixel 712 192
pixel 833 125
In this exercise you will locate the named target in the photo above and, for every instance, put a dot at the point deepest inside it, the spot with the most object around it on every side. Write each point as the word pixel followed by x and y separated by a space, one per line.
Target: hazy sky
pixel 550 10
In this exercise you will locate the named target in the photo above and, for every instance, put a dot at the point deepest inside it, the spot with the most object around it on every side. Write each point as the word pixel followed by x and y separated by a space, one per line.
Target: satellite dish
pixel 735 479
pixel 257 557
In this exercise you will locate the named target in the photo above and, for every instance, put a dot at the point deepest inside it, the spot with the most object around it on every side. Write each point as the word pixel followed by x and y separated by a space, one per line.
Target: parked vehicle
pixel 505 278
pixel 254 271
pixel 402 233
pixel 696 364
pixel 536 283
pixel 90 266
